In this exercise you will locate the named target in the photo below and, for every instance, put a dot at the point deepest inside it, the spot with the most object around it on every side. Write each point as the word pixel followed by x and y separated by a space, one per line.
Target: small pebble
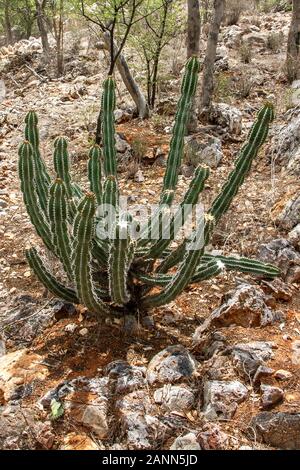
pixel 282 374
pixel 83 331
pixel 71 327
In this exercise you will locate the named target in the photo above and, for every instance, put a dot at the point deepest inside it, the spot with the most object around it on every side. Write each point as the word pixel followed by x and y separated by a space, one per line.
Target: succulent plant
pixel 106 268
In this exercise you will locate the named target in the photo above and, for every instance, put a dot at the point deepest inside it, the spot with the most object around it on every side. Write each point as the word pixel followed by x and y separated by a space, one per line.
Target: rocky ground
pixel 217 369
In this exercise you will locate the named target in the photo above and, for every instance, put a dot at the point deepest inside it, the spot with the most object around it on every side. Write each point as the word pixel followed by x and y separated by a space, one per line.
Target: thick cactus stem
pixel 110 192
pixel 42 177
pixel 94 172
pixel 121 252
pixel 58 216
pixel 62 167
pixel 108 127
pixel 46 278
pixel 31 200
pixel 188 89
pixel 256 138
pixel 62 164
pixel 83 232
pixel 245 265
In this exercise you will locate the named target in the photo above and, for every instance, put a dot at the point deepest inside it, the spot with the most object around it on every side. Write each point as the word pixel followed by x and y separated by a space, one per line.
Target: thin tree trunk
pixel 7 24
pixel 193 28
pixel 60 41
pixel 131 85
pixel 209 61
pixel 154 79
pixel 193 48
pixel 293 45
pixel 41 22
pixel 159 47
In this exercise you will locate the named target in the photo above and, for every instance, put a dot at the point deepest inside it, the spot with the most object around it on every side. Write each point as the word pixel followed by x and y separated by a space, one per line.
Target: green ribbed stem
pixel 28 187
pixel 245 265
pixel 256 138
pixel 83 232
pixel 46 278
pixel 62 167
pixel 121 252
pixel 58 216
pixel 94 172
pixel 111 192
pixel 188 89
pixel 108 127
pixel 42 177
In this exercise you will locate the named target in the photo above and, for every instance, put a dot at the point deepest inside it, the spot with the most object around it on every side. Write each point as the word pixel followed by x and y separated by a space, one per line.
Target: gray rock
pixel 249 357
pixel 3 204
pixel 283 375
pixel 2 348
pixel 21 325
pixel 212 438
pixel 95 418
pixel 244 306
pixel 295 351
pixel 2 90
pixel 121 144
pixel 15 425
pixel 130 325
pixel 92 413
pixel 222 60
pixel 175 398
pixel 262 349
pixel 127 378
pixel 186 442
pixel 290 215
pixel 255 39
pixel 294 237
pixel 170 365
pixel 221 399
pixel 281 253
pixel 209 343
pixel 277 289
pixel 281 430
pixel 228 117
pixel 232 36
pixel 138 421
pixel 271 396
pixel 219 367
pixel 293 166
pixel 205 150
pixel 139 177
pixel 121 115
pixel 262 372
pixel 284 150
